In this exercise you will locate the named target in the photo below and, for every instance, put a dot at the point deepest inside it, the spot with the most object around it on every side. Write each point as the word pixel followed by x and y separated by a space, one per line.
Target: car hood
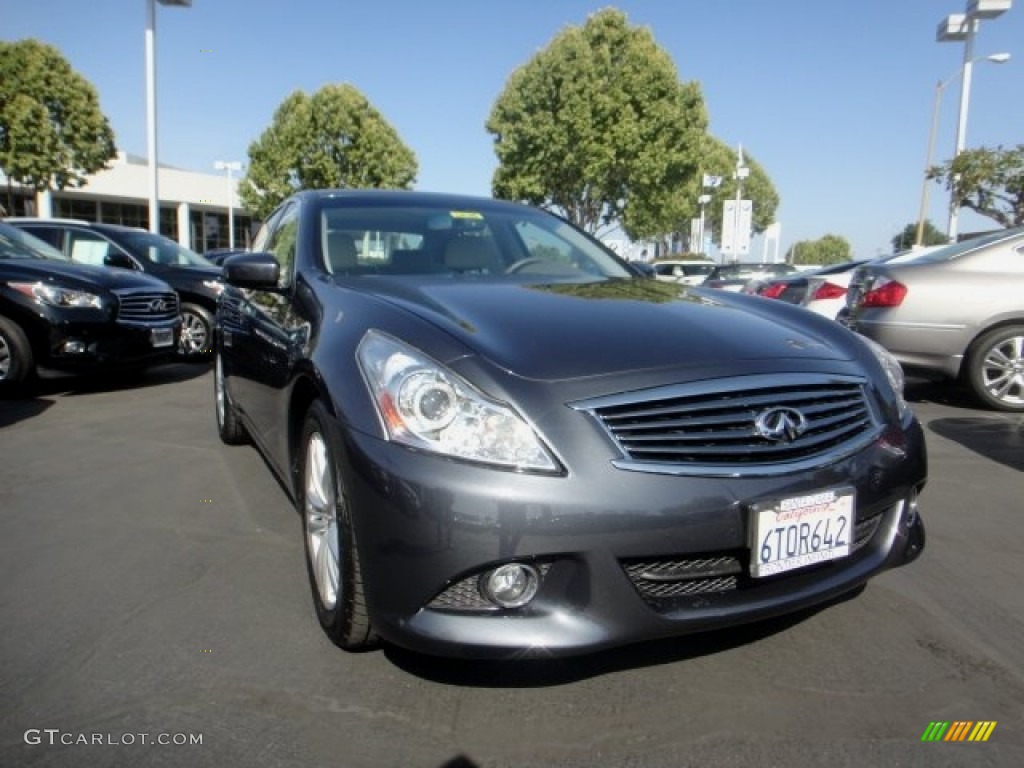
pixel 571 330
pixel 79 275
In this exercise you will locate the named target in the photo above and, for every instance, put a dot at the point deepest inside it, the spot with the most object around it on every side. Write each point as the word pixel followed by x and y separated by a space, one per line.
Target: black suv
pixel 55 315
pixel 195 279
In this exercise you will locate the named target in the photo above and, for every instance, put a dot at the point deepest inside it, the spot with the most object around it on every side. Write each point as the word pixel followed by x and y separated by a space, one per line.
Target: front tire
pixel 332 558
pixel 996 368
pixel 196 332
pixel 229 427
pixel 16 362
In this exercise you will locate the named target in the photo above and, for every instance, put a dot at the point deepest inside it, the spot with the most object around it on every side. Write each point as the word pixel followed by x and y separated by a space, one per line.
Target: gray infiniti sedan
pixel 502 442
pixel 956 312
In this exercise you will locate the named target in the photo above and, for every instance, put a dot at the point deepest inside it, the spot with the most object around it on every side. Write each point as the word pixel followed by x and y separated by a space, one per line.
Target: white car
pixel 682 271
pixel 824 290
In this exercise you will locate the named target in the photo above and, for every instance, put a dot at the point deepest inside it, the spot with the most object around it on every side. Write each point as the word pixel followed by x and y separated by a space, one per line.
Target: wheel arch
pixel 307 388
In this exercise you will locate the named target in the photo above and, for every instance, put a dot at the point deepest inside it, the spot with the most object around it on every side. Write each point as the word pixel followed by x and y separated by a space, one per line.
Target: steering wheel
pixel 523 263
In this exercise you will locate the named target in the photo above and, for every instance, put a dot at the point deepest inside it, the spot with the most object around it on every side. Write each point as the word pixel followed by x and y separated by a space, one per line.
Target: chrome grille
pixel 150 306
pixel 711 427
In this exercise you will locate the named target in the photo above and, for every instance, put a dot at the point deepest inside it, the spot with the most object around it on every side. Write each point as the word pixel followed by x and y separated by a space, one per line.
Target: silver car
pixel 957 312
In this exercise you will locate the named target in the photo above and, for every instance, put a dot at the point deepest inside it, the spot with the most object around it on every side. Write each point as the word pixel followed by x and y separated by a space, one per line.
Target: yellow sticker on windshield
pixel 467 215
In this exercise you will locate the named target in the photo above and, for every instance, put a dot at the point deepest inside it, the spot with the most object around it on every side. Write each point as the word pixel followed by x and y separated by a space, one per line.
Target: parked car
pixel 956 312
pixel 821 290
pixel 196 280
pixel 688 272
pixel 488 463
pixel 732 277
pixel 57 316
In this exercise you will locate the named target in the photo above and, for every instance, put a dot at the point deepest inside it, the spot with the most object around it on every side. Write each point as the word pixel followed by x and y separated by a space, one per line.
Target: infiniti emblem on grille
pixel 782 425
pixel 158 305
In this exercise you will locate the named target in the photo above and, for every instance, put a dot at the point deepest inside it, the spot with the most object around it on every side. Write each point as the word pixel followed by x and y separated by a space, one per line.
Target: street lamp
pixel 954 28
pixel 996 58
pixel 229 166
pixel 742 171
pixel 154 198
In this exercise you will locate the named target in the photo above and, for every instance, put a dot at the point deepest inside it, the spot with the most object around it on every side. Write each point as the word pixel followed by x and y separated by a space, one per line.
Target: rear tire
pixel 16 362
pixel 995 368
pixel 332 557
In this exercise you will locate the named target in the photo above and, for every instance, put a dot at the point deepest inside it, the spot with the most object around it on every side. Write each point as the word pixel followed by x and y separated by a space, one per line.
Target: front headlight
pixel 893 371
pixel 424 405
pixel 56 296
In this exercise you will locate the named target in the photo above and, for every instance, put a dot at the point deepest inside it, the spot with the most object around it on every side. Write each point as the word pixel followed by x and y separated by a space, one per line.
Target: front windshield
pixel 15 244
pixel 161 250
pixel 469 241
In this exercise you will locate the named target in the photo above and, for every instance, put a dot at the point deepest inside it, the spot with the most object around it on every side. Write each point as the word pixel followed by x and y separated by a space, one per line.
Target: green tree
pixel 830 249
pixel 598 127
pixel 334 138
pixel 988 181
pixel 907 236
pixel 720 160
pixel 53 134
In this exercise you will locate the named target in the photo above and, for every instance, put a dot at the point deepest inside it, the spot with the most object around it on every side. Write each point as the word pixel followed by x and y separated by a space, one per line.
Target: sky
pixel 833 99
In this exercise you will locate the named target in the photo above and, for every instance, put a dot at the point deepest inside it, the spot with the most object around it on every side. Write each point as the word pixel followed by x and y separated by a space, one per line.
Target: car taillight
pixel 886 293
pixel 829 290
pixel 772 290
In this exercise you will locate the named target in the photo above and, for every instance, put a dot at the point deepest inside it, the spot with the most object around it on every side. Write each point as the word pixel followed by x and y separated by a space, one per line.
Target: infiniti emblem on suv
pixel 158 305
pixel 782 425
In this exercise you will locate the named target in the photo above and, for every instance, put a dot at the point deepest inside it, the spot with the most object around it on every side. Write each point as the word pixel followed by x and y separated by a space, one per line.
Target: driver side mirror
pixel 259 271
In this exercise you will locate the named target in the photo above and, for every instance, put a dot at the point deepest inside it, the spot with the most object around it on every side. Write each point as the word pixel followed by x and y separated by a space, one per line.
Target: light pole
pixel 742 171
pixel 996 58
pixel 703 200
pixel 154 196
pixel 962 27
pixel 229 166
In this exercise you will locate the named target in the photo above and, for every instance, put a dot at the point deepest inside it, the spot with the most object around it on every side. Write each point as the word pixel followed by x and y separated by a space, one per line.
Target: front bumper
pixel 79 346
pixel 428 526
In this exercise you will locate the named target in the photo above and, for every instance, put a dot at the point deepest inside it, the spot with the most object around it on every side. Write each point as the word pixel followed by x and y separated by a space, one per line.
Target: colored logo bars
pixel 959 730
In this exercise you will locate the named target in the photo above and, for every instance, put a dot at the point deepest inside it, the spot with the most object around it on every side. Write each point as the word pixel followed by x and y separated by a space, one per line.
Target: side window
pixel 50 235
pixel 87 247
pixel 283 241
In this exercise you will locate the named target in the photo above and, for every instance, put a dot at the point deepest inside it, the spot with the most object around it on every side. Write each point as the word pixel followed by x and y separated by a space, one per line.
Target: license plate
pixel 801 530
pixel 162 337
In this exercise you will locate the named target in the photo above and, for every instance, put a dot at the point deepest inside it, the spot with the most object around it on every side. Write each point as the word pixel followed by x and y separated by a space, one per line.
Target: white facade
pixel 193 206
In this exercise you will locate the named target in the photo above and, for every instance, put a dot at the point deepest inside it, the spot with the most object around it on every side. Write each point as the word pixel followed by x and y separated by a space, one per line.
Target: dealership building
pixel 194 207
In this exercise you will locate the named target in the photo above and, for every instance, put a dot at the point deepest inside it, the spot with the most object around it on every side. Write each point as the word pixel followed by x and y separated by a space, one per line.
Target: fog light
pixel 910 509
pixel 510 586
pixel 73 347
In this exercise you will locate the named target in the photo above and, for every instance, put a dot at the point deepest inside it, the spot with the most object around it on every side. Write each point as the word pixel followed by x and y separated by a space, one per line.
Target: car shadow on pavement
pixel 950 393
pixel 998 438
pixel 115 381
pixel 13 410
pixel 539 673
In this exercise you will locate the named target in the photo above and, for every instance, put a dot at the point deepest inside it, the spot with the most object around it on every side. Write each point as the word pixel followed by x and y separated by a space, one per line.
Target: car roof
pixel 405 197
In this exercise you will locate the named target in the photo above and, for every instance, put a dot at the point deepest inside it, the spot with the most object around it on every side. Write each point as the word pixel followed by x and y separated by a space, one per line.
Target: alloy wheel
pixel 321 519
pixel 5 358
pixel 218 391
pixel 1002 371
pixel 194 334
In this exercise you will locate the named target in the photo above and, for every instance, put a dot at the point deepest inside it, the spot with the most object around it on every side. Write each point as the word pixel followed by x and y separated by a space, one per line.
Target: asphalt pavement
pixel 155 612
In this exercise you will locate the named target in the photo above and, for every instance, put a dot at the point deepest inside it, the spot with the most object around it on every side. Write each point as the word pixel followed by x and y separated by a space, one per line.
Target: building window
pixel 73 208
